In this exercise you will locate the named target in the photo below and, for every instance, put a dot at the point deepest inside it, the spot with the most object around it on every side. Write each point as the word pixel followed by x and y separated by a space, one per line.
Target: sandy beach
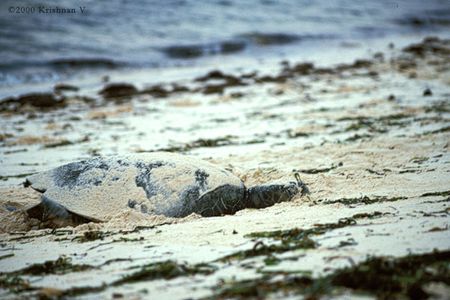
pixel 369 138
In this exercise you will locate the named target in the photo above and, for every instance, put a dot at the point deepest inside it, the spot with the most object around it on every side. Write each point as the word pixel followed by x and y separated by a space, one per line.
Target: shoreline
pixel 265 61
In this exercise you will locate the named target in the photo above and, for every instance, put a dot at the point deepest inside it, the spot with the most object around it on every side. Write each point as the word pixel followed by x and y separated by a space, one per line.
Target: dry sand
pixel 371 143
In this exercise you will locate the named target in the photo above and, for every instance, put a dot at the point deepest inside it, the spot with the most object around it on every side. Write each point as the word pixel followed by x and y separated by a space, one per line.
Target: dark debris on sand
pixel 118 90
pixel 40 101
pixel 384 277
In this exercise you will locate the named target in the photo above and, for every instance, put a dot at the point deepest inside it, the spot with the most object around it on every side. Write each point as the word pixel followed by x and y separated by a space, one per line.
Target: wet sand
pixel 370 139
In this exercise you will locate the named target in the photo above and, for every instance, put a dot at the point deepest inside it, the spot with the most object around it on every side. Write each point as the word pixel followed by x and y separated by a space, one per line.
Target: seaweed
pixel 390 278
pixel 65 142
pixel 440 130
pixel 228 81
pixel 373 124
pixel 383 277
pixel 217 142
pixel 429 45
pixel 356 137
pixel 39 101
pixel 14 283
pixel 156 91
pixel 440 213
pixel 6 256
pixel 375 214
pixel 118 91
pixel 319 170
pixel 260 288
pixel 363 200
pixel 289 240
pixel 62 265
pixel 439 107
pixel 260 249
pixel 4 178
pixel 160 270
pixel 222 141
pixel 295 134
pixel 419 159
pixel 78 291
pixel 271 260
pixel 15 151
pixel 89 236
pixel 435 229
pixel 125 239
pixel 5 136
pixel 349 242
pixel 431 194
pixel 165 270
pixel 142 227
pixel 298 234
pixel 121 239
pixel 375 172
pixel 24 237
pixel 59 144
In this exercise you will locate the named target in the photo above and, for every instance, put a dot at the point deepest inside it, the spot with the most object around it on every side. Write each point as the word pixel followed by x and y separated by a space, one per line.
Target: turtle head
pixel 273 192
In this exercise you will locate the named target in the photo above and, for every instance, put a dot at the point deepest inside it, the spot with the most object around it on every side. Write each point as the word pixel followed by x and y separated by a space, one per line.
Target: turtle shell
pixel 160 183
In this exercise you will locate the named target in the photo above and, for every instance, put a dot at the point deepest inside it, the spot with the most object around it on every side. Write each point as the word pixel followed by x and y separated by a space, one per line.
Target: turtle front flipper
pixel 268 194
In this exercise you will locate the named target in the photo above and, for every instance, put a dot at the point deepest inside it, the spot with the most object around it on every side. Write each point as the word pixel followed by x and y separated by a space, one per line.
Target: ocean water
pixel 39 43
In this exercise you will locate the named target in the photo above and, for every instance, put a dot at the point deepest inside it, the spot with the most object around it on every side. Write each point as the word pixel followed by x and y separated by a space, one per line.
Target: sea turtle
pixel 159 183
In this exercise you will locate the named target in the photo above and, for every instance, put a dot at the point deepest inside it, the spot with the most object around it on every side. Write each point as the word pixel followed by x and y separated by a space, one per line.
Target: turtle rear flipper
pixel 55 215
